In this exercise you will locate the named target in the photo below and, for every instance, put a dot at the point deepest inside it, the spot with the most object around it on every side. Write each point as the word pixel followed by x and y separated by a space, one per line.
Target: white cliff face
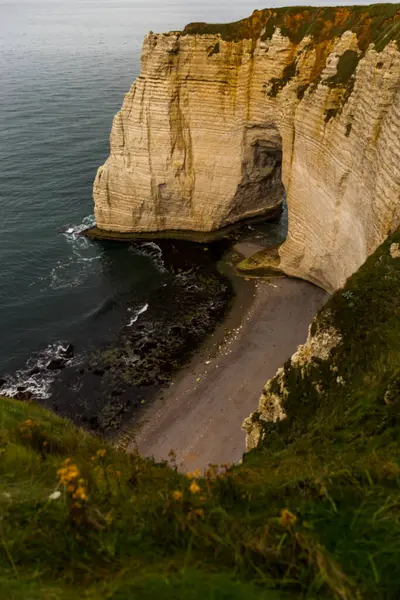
pixel 343 176
pixel 181 154
pixel 205 137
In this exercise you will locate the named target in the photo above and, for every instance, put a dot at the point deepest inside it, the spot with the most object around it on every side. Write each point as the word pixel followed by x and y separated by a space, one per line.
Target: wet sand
pixel 200 415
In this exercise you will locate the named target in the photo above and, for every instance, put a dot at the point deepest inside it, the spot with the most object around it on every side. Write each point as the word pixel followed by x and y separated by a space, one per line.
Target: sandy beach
pixel 200 415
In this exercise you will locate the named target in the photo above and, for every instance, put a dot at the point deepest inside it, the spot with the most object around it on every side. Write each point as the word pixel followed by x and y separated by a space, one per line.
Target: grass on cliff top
pixel 375 23
pixel 314 513
pixel 378 24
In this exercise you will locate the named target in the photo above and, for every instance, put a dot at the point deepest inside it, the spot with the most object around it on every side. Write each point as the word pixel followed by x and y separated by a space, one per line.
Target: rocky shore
pixel 107 387
pixel 113 382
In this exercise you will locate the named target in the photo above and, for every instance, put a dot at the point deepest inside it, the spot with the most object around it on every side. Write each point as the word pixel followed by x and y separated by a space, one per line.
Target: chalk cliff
pixel 223 116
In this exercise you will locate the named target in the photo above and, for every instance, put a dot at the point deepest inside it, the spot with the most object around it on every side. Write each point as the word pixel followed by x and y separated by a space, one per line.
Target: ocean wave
pixel 73 271
pixel 73 235
pixel 152 250
pixel 72 232
pixel 137 314
pixel 36 377
pixel 69 273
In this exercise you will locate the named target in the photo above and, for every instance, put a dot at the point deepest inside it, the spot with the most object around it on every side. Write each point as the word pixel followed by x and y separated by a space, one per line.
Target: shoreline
pixel 272 214
pixel 107 385
pixel 200 414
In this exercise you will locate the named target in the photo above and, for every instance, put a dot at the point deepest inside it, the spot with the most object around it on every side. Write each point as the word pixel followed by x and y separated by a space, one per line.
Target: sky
pixel 142 15
pixel 186 5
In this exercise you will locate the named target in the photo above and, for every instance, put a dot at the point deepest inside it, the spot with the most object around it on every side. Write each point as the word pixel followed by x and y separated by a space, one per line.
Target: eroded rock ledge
pixel 223 116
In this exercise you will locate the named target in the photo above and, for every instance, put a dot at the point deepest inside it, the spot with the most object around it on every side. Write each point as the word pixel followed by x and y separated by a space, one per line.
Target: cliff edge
pixel 224 119
pixel 347 367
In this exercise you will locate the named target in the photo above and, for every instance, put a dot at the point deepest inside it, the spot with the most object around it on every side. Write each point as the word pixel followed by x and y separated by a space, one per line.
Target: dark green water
pixel 64 68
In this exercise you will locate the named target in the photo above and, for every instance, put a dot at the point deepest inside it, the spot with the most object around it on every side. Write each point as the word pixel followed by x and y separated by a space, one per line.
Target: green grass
pixel 347 64
pixel 343 415
pixel 333 464
pixel 344 78
pixel 278 83
pixel 215 49
pixel 374 23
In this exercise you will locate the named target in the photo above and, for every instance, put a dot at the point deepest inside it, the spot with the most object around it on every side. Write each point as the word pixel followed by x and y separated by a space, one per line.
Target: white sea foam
pixel 137 315
pixel 74 231
pixel 152 250
pixel 35 378
pixel 72 271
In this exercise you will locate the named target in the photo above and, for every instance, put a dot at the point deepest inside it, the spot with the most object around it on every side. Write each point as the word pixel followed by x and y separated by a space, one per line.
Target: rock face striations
pixel 224 119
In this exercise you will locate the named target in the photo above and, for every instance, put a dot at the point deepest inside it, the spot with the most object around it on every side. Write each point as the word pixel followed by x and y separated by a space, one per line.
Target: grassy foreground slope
pixel 314 512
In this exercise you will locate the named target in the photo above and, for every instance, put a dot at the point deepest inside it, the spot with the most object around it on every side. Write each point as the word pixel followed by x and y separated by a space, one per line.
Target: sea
pixel 65 66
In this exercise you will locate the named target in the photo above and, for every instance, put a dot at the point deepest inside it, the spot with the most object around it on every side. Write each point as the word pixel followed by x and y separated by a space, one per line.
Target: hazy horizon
pixel 182 12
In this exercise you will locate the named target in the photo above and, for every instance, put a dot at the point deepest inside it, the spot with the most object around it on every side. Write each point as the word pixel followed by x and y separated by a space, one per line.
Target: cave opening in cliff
pixel 261 191
pixel 266 173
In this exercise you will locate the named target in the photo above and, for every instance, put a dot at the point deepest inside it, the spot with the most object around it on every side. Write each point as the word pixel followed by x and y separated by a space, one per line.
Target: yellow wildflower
pixel 287 518
pixel 194 488
pixel 199 512
pixel 68 474
pixel 177 495
pixel 26 426
pixel 195 475
pixel 80 493
pixel 101 453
